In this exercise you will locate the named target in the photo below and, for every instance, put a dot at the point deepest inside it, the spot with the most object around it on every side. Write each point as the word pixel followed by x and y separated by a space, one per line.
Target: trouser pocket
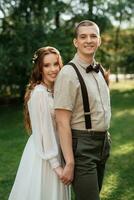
pixel 106 147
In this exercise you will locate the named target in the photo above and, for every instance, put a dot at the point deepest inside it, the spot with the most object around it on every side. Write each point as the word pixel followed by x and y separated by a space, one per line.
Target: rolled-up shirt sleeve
pixel 65 89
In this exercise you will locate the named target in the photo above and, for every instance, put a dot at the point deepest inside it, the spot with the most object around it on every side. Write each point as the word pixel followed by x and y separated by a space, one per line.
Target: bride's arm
pixel 42 127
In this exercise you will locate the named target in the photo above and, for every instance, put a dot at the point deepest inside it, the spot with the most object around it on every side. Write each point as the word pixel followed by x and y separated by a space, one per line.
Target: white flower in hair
pixel 34 58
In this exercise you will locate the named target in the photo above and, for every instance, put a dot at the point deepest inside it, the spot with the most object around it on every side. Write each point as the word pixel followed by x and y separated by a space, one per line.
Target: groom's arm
pixel 63 118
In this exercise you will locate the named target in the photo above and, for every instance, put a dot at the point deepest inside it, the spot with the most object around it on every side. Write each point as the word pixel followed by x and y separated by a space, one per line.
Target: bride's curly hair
pixel 36 78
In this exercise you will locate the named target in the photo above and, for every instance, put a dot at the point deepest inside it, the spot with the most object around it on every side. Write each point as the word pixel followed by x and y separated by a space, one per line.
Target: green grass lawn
pixel 119 179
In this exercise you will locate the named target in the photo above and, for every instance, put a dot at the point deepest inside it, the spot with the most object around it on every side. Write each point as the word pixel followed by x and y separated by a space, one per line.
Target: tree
pixel 26 25
pixel 121 10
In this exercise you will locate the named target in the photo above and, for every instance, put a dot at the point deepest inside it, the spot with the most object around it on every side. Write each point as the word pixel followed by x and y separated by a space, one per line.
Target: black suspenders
pixel 84 97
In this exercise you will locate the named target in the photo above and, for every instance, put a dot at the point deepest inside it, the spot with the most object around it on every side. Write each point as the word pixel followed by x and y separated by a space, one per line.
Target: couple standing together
pixel 68 116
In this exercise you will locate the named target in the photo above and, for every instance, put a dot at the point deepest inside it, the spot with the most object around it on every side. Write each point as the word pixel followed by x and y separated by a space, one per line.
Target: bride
pixel 40 169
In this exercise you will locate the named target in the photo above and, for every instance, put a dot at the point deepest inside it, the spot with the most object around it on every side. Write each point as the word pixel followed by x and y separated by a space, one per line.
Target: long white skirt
pixel 35 179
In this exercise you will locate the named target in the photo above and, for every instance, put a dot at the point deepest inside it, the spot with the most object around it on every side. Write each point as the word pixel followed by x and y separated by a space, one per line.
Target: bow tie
pixel 90 68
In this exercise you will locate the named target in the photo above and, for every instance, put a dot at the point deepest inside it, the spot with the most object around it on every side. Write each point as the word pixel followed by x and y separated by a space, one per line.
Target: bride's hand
pixel 59 171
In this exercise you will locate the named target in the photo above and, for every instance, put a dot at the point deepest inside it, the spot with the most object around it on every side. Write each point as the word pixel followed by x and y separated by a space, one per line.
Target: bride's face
pixel 50 68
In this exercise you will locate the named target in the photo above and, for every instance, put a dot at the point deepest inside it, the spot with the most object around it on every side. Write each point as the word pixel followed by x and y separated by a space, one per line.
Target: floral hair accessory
pixel 34 58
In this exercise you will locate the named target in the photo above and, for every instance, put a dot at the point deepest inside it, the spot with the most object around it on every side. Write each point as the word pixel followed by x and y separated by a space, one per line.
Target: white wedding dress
pixel 36 179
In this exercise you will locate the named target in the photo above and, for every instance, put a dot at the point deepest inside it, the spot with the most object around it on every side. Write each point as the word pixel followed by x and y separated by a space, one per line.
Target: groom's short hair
pixel 85 23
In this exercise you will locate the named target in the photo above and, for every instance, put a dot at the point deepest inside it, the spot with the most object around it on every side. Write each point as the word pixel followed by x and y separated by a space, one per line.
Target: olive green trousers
pixel 91 151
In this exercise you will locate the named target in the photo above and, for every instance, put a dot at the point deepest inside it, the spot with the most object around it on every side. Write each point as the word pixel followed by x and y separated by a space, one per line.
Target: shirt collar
pixel 82 63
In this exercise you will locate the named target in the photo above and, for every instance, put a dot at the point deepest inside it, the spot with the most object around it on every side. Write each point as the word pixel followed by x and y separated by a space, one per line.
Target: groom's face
pixel 88 40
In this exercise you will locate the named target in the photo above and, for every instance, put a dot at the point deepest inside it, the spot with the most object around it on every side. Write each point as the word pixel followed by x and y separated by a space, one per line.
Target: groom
pixel 82 105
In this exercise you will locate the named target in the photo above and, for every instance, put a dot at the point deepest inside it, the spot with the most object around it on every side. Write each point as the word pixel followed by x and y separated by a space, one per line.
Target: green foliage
pixel 121 10
pixel 28 25
pixel 118 183
pixel 123 56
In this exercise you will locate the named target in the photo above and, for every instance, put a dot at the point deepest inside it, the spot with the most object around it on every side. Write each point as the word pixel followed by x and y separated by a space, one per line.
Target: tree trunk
pixel 57 19
pixel 57 15
pixel 117 33
pixel 90 8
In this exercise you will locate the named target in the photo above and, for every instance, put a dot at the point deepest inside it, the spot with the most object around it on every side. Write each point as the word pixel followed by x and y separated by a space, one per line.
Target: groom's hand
pixel 68 173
